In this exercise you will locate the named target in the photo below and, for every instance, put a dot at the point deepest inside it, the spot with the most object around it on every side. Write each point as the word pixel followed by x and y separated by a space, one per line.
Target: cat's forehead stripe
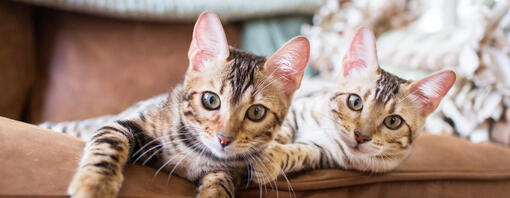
pixel 242 71
pixel 387 86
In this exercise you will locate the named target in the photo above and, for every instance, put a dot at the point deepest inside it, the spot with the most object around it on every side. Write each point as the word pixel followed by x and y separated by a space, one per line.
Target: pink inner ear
pixel 430 90
pixel 289 62
pixel 209 41
pixel 362 52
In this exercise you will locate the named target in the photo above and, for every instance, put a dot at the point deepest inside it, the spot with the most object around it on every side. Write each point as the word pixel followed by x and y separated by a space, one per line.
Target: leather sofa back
pixel 87 66
pixel 17 69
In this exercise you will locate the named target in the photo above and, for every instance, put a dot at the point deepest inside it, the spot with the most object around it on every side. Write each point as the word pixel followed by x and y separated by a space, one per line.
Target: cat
pixel 367 122
pixel 207 130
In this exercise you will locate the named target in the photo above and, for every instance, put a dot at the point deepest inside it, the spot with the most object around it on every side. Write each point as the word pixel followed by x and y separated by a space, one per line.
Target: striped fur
pixel 201 130
pixel 176 134
pixel 318 131
pixel 325 130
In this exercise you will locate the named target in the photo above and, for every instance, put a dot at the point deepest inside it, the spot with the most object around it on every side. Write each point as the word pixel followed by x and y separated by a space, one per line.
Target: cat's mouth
pixel 216 148
pixel 232 151
pixel 355 148
pixel 195 140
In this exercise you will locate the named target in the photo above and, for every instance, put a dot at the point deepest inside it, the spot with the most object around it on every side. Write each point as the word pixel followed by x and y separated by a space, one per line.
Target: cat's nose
pixel 225 140
pixel 360 137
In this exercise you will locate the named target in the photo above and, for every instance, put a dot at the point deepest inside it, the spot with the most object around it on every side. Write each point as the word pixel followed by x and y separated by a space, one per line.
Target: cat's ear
pixel 430 90
pixel 288 63
pixel 209 42
pixel 362 55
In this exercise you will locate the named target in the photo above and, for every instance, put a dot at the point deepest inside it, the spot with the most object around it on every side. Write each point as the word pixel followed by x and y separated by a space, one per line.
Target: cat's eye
pixel 354 102
pixel 256 112
pixel 210 100
pixel 393 122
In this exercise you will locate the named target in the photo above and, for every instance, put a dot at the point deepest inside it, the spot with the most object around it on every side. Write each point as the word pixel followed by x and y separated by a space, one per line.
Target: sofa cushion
pixel 37 162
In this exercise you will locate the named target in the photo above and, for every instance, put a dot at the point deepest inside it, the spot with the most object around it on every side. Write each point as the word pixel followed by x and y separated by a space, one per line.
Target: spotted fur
pixel 322 131
pixel 178 134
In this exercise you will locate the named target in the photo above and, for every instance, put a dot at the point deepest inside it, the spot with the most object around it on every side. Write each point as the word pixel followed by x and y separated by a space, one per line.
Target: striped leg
pixel 218 184
pixel 286 158
pixel 100 170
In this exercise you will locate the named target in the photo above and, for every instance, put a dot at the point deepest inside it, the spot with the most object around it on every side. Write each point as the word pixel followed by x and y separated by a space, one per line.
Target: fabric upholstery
pixel 184 11
pixel 41 163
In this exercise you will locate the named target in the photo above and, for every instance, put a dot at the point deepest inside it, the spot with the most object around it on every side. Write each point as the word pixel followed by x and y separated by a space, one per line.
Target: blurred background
pixel 74 59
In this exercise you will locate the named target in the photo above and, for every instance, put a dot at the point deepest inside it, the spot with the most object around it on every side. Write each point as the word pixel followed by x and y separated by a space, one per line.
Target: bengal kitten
pixel 367 121
pixel 206 130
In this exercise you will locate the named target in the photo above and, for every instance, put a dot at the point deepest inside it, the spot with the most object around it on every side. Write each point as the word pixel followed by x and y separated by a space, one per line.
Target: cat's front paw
pixel 91 185
pixel 219 184
pixel 213 193
pixel 269 168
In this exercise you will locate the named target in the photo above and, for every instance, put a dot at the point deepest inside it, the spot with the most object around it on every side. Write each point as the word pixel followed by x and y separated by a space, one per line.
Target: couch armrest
pixel 38 162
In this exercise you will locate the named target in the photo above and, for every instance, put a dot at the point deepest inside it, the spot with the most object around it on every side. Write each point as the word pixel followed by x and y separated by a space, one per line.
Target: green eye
pixel 393 122
pixel 210 100
pixel 256 113
pixel 354 102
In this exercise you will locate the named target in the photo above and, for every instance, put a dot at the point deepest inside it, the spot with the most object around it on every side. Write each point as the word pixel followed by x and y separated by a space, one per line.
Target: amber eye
pixel 354 102
pixel 393 122
pixel 210 100
pixel 256 113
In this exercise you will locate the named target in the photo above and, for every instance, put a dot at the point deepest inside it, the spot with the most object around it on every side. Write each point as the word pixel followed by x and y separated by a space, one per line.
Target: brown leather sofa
pixel 57 66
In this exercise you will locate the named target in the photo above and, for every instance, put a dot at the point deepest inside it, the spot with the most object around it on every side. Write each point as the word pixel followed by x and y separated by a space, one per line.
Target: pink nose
pixel 360 137
pixel 224 140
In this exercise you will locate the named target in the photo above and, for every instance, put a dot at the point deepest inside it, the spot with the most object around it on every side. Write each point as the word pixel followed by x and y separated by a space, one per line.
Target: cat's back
pixel 311 87
pixel 306 109
pixel 84 129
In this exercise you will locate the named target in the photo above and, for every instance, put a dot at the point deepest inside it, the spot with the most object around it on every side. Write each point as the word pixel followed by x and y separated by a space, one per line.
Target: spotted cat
pixel 367 121
pixel 207 130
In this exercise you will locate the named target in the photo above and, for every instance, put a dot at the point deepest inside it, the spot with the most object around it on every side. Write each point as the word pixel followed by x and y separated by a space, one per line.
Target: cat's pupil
pixel 354 102
pixel 210 101
pixel 256 112
pixel 393 122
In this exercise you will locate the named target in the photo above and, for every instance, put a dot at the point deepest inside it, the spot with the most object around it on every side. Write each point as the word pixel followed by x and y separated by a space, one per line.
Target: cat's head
pixel 379 115
pixel 235 101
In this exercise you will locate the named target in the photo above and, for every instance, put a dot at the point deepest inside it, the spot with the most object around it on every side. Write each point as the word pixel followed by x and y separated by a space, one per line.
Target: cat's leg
pixel 217 184
pixel 285 158
pixel 100 170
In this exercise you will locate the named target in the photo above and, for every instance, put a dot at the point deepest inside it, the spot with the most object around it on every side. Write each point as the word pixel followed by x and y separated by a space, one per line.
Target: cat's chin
pixel 374 163
pixel 220 153
pixel 377 163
